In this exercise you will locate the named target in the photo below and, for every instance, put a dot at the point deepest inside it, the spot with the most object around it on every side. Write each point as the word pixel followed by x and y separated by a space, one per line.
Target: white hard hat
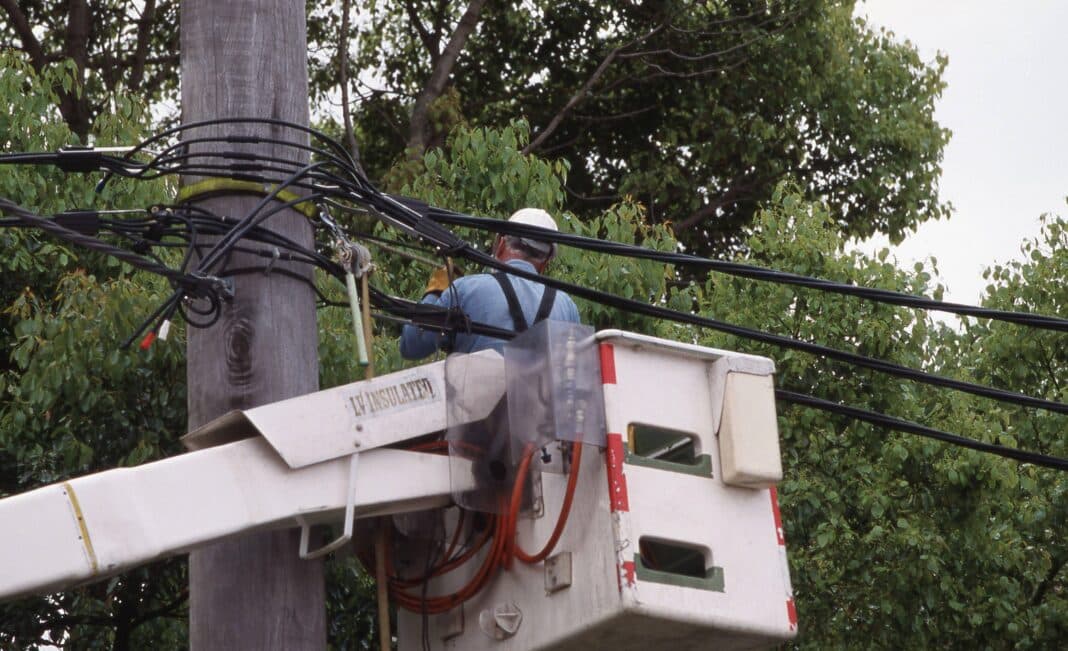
pixel 535 217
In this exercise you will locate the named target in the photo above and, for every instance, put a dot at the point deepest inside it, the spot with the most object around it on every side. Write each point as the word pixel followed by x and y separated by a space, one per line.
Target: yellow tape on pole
pixel 212 186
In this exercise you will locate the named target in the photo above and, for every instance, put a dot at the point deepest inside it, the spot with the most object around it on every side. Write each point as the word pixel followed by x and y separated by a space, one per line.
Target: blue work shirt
pixel 482 300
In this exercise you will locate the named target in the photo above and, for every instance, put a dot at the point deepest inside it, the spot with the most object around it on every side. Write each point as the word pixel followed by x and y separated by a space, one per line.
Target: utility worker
pixel 497 299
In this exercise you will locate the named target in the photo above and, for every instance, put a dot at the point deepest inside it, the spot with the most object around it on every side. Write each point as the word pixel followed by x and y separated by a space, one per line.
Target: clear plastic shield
pixel 554 386
pixel 482 468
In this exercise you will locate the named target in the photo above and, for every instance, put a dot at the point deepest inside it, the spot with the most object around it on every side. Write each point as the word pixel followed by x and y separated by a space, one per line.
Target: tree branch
pixel 732 195
pixel 144 32
pixel 164 610
pixel 103 60
pixel 30 44
pixel 584 91
pixel 419 127
pixel 694 57
pixel 594 199
pixel 614 117
pixel 155 81
pixel 1044 586
pixel 664 72
pixel 343 65
pixel 74 109
pixel 560 146
pixel 78 34
pixel 377 107
pixel 432 43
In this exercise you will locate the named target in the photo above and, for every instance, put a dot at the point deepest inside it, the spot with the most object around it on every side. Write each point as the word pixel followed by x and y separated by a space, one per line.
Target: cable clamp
pixel 328 221
pixel 275 255
pixel 221 287
pixel 354 257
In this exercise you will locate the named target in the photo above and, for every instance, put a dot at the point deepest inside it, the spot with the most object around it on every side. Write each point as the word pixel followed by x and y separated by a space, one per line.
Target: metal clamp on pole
pixel 356 260
pixel 350 516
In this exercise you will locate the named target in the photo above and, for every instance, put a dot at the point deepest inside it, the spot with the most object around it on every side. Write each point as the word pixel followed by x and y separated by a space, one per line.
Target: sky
pixel 1006 102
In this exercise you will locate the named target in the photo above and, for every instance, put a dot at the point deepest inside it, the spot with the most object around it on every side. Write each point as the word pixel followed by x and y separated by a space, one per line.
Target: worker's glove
pixel 439 280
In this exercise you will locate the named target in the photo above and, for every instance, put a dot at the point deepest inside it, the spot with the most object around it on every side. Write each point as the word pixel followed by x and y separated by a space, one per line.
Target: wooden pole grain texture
pixel 248 58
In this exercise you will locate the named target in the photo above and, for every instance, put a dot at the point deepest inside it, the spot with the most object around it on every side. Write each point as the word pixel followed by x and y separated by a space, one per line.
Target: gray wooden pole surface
pixel 238 59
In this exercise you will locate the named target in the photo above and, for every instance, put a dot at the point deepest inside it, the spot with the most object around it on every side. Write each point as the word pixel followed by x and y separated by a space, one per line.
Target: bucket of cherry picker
pixel 624 497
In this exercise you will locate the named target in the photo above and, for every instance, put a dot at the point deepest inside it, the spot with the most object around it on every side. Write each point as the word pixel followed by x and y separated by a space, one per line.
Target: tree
pixel 113 45
pixel 73 403
pixel 897 541
pixel 696 109
pixel 1039 365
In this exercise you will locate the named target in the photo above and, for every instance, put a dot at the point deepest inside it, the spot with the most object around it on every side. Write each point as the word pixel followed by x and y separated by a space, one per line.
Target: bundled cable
pixel 189 283
pixel 882 366
pixel 899 424
pixel 336 180
pixel 746 271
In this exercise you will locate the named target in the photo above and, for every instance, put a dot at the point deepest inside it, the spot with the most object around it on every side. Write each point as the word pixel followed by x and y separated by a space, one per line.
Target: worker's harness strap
pixel 518 320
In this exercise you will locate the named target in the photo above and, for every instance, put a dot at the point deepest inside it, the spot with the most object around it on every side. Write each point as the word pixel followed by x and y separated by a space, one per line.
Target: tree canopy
pixel 111 45
pixel 696 109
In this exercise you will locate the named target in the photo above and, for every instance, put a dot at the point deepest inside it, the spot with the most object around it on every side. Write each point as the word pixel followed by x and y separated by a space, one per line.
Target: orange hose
pixel 504 547
pixel 429 446
pixel 565 510
pixel 515 503
pixel 440 604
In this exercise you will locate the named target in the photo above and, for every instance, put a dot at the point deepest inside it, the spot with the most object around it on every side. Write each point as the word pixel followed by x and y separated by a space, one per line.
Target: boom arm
pixel 297 469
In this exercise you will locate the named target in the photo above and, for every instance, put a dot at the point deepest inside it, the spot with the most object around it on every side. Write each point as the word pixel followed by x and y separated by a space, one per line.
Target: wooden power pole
pixel 248 58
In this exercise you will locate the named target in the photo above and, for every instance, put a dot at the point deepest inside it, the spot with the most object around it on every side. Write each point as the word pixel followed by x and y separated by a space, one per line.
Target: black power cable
pixel 418 219
pixel 882 366
pixel 746 270
pixel 193 284
pixel 890 422
pixel 413 217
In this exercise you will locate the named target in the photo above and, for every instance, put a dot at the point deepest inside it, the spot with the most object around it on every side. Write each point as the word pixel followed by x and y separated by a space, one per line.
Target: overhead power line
pixel 192 284
pixel 879 365
pixel 890 422
pixel 746 271
pixel 338 182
